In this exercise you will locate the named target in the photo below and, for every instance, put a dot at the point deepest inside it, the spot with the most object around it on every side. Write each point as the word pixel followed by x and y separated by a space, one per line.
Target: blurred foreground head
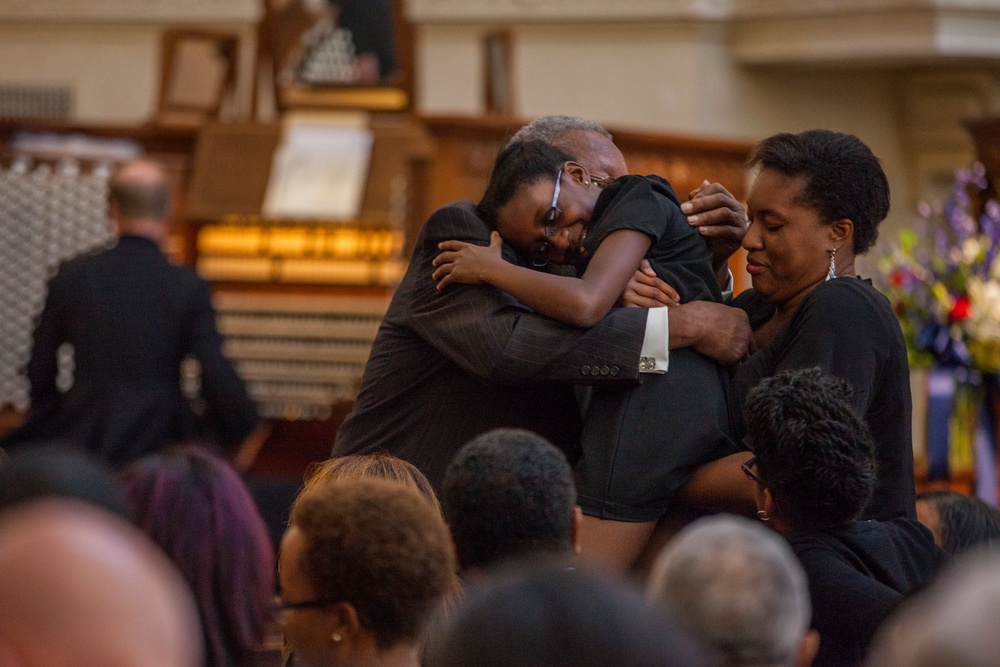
pixel 955 622
pixel 83 588
pixel 739 588
pixel 553 616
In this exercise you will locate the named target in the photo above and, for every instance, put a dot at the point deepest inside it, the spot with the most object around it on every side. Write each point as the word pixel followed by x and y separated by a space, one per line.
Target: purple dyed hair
pixel 196 508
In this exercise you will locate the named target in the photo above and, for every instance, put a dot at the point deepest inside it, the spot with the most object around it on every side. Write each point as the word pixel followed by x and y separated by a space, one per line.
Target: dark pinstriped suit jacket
pixel 449 365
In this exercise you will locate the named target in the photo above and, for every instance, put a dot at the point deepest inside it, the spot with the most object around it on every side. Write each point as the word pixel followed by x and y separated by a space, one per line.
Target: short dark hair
pixel 59 469
pixel 508 493
pixel 558 617
pixel 814 452
pixel 379 546
pixel 843 178
pixel 963 521
pixel 520 163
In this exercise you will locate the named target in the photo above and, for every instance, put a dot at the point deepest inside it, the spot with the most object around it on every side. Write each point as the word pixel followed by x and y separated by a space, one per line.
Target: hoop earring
pixel 762 515
pixel 831 274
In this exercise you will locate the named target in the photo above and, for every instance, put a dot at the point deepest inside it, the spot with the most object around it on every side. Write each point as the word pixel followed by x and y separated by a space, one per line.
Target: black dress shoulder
pixel 847 328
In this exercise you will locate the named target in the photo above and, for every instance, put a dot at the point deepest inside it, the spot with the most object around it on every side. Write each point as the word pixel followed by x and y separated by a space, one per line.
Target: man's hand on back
pixel 720 218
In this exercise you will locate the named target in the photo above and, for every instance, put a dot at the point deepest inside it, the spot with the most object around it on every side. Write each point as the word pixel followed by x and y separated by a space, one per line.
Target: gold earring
pixel 336 637
pixel 762 515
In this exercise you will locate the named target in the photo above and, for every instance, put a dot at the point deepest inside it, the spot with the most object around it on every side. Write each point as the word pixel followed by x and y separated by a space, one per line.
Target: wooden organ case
pixel 299 300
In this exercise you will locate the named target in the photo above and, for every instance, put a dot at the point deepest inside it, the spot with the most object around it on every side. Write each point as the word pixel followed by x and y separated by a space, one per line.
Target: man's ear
pixel 577 172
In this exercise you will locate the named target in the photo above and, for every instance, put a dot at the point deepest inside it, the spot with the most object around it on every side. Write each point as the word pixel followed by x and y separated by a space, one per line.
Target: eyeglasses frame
pixel 540 256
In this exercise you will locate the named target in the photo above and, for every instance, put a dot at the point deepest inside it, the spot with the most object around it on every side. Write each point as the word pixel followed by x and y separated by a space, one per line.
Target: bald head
pixel 139 192
pixel 82 588
pixel 589 143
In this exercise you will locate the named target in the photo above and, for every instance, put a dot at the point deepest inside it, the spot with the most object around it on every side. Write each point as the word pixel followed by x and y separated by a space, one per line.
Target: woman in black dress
pixel 813 473
pixel 815 204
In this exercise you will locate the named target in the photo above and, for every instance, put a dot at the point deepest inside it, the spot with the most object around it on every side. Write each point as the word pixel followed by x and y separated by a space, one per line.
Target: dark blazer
pixel 448 365
pixel 131 317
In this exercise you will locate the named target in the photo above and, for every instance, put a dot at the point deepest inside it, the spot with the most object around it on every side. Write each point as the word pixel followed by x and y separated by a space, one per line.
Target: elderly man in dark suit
pixel 450 364
pixel 131 317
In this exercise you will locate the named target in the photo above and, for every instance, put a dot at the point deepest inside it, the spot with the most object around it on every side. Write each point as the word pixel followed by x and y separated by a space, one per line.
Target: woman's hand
pixel 646 290
pixel 462 262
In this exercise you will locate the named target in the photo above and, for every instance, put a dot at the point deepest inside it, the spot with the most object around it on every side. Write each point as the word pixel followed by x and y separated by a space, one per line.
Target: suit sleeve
pixel 48 336
pixel 229 405
pixel 490 334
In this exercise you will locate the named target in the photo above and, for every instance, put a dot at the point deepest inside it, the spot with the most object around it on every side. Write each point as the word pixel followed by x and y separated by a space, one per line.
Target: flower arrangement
pixel 943 278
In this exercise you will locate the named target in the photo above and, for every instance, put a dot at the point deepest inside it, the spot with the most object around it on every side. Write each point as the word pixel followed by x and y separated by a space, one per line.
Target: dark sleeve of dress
pixel 848 606
pixel 48 336
pixel 490 334
pixel 833 329
pixel 229 406
pixel 677 252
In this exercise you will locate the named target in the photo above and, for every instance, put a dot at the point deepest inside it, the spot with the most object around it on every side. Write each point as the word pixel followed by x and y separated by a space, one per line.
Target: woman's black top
pixel 847 328
pixel 857 575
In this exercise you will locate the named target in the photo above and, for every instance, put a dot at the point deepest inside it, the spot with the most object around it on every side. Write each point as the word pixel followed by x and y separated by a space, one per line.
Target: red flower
pixel 960 310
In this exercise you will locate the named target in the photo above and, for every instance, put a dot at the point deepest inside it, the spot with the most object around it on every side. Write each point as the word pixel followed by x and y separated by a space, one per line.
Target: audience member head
pixel 362 566
pixel 958 522
pixel 953 622
pixel 139 196
pixel 589 143
pixel 59 470
pixel 196 508
pixel 509 493
pixel 814 460
pixel 738 587
pixel 371 466
pixel 547 614
pixel 82 587
pixel 842 178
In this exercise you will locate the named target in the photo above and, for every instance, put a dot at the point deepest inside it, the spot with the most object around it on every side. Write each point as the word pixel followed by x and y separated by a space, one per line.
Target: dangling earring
pixel 832 273
pixel 762 515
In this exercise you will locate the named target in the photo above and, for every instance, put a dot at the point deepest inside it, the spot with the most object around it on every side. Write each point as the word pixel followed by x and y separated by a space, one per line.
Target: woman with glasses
pixel 639 444
pixel 362 566
pixel 814 471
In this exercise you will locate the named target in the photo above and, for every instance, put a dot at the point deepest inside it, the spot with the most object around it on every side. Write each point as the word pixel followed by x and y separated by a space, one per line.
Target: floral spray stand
pixel 961 435
pixel 943 279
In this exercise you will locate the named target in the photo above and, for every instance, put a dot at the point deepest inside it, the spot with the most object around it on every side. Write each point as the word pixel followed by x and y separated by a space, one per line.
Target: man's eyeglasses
pixel 747 468
pixel 540 255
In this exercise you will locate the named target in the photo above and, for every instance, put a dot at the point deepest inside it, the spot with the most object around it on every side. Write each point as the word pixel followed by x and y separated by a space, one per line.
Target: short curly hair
pixel 843 178
pixel 814 453
pixel 380 547
pixel 508 493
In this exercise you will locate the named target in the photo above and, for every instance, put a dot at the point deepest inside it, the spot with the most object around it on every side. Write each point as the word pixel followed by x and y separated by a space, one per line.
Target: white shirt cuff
pixel 727 289
pixel 655 353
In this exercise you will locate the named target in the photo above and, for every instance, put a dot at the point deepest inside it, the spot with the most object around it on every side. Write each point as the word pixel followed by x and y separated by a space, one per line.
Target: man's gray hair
pixel 738 587
pixel 551 129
